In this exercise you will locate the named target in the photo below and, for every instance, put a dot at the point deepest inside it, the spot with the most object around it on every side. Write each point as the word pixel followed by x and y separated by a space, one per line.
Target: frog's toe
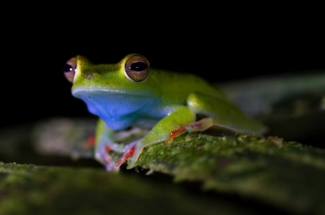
pixel 103 157
pixel 137 150
pixel 111 167
pixel 107 161
pixel 128 153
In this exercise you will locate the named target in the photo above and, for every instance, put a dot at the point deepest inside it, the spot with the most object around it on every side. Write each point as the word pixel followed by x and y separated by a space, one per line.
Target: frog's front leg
pixel 160 132
pixel 104 142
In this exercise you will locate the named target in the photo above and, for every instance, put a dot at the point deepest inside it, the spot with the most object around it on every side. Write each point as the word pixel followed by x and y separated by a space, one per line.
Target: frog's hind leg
pixel 222 113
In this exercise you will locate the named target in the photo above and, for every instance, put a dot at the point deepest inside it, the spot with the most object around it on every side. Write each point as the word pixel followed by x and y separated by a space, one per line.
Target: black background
pixel 217 42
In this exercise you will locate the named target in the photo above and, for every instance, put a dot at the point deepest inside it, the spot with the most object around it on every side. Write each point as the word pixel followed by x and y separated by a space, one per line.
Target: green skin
pixel 165 102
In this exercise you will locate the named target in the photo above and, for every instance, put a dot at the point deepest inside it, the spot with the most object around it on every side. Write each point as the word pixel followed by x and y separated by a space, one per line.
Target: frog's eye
pixel 137 68
pixel 69 69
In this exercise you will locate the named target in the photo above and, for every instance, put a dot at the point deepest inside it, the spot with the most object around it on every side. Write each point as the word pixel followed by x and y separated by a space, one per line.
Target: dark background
pixel 218 42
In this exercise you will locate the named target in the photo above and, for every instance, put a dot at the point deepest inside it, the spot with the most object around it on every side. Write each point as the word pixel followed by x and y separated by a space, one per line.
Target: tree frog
pixel 131 93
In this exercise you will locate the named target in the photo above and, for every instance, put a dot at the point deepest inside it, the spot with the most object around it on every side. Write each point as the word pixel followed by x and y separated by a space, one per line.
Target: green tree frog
pixel 131 93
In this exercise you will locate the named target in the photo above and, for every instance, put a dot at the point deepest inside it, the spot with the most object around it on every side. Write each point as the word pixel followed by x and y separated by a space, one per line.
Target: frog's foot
pixel 102 155
pixel 175 133
pixel 200 125
pixel 125 156
pixel 131 151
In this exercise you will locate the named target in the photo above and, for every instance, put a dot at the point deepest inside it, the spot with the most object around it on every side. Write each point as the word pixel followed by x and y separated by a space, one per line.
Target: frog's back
pixel 177 86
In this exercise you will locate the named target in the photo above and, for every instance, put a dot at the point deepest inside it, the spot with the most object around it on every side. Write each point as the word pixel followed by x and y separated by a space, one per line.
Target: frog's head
pixel 112 91
pixel 132 69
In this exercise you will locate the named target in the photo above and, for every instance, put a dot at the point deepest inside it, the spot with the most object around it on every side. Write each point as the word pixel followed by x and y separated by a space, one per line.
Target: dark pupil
pixel 67 68
pixel 139 66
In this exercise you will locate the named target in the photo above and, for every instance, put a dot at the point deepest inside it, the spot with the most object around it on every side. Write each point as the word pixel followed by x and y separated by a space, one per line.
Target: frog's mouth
pixel 77 92
pixel 119 109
